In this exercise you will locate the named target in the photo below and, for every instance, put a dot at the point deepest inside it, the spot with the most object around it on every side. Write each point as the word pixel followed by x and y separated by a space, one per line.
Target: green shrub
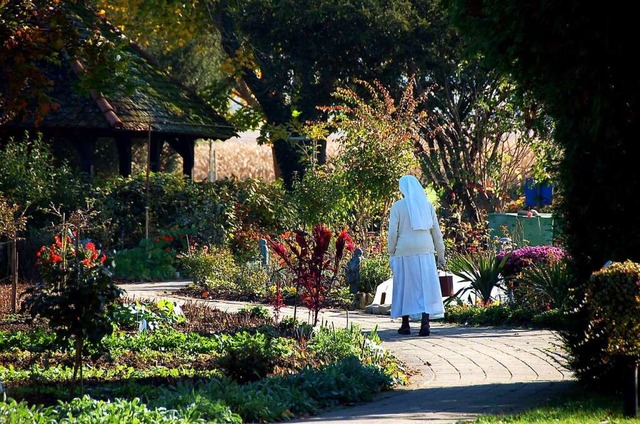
pixel 119 410
pixel 549 285
pixel 605 326
pixel 39 340
pixel 328 343
pixel 127 316
pixel 256 311
pixel 32 177
pixel 252 281
pixel 505 315
pixel 210 267
pixel 554 319
pixel 295 328
pixel 154 259
pixel 373 271
pixel 250 357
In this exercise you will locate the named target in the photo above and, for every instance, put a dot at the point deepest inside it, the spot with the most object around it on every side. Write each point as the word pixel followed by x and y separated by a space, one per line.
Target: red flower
pixel 344 240
pixel 279 249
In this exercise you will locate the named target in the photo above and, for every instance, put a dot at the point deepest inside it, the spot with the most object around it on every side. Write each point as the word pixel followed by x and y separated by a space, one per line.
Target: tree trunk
pixel 630 388
pixel 14 276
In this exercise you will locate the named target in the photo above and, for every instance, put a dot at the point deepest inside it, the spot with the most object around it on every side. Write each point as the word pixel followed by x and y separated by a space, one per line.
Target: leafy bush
pixel 32 177
pixel 504 315
pixel 604 327
pixel 546 279
pixel 212 268
pixel 554 319
pixel 345 381
pixel 327 343
pixel 77 411
pixel 128 201
pixel 39 340
pixel 252 281
pixel 548 284
pixel 373 271
pixel 321 192
pixel 256 311
pixel 613 301
pixel 154 259
pixel 250 357
pixel 128 316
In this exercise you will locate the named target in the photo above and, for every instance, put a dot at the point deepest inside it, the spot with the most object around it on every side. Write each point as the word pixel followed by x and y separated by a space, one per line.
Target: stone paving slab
pixel 460 371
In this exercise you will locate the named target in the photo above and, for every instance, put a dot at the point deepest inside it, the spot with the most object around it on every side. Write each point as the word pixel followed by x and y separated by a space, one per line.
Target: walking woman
pixel 414 241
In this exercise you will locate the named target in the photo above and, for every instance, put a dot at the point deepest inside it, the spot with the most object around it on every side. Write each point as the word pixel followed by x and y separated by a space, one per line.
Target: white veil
pixel 417 203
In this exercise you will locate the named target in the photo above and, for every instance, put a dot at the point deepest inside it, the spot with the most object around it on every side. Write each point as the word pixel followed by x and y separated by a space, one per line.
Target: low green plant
pixel 210 267
pixel 80 409
pixel 481 270
pixel 505 314
pixel 293 327
pixel 550 284
pixel 152 260
pixel 250 357
pixel 251 281
pixel 373 271
pixel 129 315
pixel 256 311
pixel 38 340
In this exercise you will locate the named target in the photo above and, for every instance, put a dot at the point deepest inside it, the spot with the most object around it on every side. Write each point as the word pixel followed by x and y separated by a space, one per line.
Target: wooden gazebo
pixel 155 107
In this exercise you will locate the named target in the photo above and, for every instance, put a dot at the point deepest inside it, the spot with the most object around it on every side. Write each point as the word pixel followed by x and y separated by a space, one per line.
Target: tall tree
pixel 285 57
pixel 476 143
pixel 302 51
pixel 575 57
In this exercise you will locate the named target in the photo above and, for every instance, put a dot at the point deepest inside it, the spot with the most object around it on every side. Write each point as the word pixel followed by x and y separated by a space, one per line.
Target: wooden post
pixel 14 276
pixel 630 389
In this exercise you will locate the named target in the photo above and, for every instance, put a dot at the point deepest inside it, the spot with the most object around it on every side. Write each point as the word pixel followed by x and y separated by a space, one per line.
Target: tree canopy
pixel 574 57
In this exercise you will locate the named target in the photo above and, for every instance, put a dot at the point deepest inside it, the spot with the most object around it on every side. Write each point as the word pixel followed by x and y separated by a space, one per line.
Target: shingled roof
pixel 157 102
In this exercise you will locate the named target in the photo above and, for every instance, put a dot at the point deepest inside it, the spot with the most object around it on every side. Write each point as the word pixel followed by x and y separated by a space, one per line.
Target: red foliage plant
pixel 313 266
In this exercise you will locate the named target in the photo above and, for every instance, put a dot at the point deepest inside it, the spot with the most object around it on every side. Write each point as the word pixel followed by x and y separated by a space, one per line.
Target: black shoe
pixel 425 328
pixel 404 330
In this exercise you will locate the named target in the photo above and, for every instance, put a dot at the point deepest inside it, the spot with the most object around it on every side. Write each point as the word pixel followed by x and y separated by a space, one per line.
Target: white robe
pixel 416 287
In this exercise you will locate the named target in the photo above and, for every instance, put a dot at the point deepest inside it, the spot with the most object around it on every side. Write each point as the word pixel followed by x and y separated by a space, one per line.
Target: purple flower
pixel 528 255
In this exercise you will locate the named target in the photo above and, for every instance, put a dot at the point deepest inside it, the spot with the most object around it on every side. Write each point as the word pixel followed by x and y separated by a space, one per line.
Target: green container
pixel 523 230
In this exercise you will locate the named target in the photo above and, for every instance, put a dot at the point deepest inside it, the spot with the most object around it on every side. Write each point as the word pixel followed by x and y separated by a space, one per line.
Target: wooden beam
pixel 185 147
pixel 123 144
pixel 155 149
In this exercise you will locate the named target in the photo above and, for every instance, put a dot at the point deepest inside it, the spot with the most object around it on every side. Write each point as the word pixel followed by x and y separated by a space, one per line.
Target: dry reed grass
pixel 241 157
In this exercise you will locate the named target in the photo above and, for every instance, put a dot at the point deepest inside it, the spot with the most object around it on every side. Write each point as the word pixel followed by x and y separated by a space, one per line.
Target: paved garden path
pixel 461 372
